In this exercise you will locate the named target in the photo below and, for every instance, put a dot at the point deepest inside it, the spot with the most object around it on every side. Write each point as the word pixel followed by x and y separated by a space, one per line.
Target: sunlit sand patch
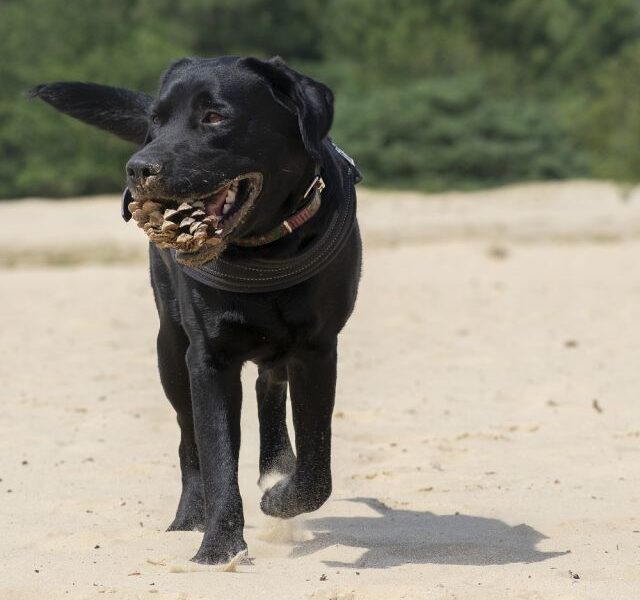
pixel 185 566
pixel 193 567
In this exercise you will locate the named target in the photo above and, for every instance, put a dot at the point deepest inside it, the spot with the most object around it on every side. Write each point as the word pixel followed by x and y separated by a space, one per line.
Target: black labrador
pixel 229 132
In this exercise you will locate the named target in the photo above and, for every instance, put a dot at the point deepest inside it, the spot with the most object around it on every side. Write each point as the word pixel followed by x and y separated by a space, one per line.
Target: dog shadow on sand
pixel 397 537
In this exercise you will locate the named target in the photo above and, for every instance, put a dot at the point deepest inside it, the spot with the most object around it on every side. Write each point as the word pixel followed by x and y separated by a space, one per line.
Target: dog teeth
pixel 230 199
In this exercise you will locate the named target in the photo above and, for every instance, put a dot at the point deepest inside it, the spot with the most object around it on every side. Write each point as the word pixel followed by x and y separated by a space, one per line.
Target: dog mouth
pixel 229 205
pixel 198 227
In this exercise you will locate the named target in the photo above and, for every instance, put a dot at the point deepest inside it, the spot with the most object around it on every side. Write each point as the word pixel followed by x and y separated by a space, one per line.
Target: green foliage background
pixel 433 94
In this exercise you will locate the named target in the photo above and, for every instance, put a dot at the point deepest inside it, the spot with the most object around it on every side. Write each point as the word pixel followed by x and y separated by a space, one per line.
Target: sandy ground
pixel 487 430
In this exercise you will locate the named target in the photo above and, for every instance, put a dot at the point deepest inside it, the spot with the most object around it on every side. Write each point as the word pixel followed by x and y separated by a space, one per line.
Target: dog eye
pixel 212 118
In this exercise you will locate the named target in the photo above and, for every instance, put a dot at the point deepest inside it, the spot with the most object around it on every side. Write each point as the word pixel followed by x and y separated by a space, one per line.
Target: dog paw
pixel 291 497
pixel 283 466
pixel 221 554
pixel 190 512
pixel 187 523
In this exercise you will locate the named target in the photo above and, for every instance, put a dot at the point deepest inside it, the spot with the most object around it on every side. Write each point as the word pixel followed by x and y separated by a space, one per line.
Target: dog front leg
pixel 276 454
pixel 172 364
pixel 217 397
pixel 312 379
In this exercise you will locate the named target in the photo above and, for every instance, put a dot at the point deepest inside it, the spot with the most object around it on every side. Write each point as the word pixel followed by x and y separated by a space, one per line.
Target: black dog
pixel 242 136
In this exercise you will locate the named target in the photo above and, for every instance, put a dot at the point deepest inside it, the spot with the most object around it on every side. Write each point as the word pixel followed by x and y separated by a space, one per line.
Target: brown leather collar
pixel 290 223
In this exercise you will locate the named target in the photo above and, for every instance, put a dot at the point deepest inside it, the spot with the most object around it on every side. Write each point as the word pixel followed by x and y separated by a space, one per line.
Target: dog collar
pixel 290 224
pixel 246 274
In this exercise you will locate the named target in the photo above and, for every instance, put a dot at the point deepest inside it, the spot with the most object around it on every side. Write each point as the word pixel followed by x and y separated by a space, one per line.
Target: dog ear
pixel 116 110
pixel 310 100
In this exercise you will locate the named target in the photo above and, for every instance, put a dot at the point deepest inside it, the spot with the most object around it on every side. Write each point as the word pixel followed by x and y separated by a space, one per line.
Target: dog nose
pixel 139 170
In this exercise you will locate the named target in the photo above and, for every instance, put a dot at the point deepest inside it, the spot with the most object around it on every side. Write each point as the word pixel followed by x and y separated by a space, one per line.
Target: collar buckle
pixel 317 184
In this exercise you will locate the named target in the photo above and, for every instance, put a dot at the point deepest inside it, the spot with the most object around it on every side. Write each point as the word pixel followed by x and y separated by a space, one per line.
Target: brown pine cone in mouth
pixel 186 228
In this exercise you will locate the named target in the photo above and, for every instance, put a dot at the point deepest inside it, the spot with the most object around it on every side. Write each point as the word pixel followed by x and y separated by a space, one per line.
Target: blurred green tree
pixel 608 123
pixel 558 40
pixel 453 132
pixel 119 42
pixel 430 93
pixel 250 27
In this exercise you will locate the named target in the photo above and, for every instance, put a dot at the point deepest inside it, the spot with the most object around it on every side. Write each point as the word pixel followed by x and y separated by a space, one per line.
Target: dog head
pixel 239 137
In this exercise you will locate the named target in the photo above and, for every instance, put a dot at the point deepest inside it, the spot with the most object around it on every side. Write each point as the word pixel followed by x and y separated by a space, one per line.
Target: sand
pixel 486 434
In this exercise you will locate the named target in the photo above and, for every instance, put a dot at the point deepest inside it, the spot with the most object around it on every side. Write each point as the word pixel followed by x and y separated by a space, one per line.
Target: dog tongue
pixel 213 206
